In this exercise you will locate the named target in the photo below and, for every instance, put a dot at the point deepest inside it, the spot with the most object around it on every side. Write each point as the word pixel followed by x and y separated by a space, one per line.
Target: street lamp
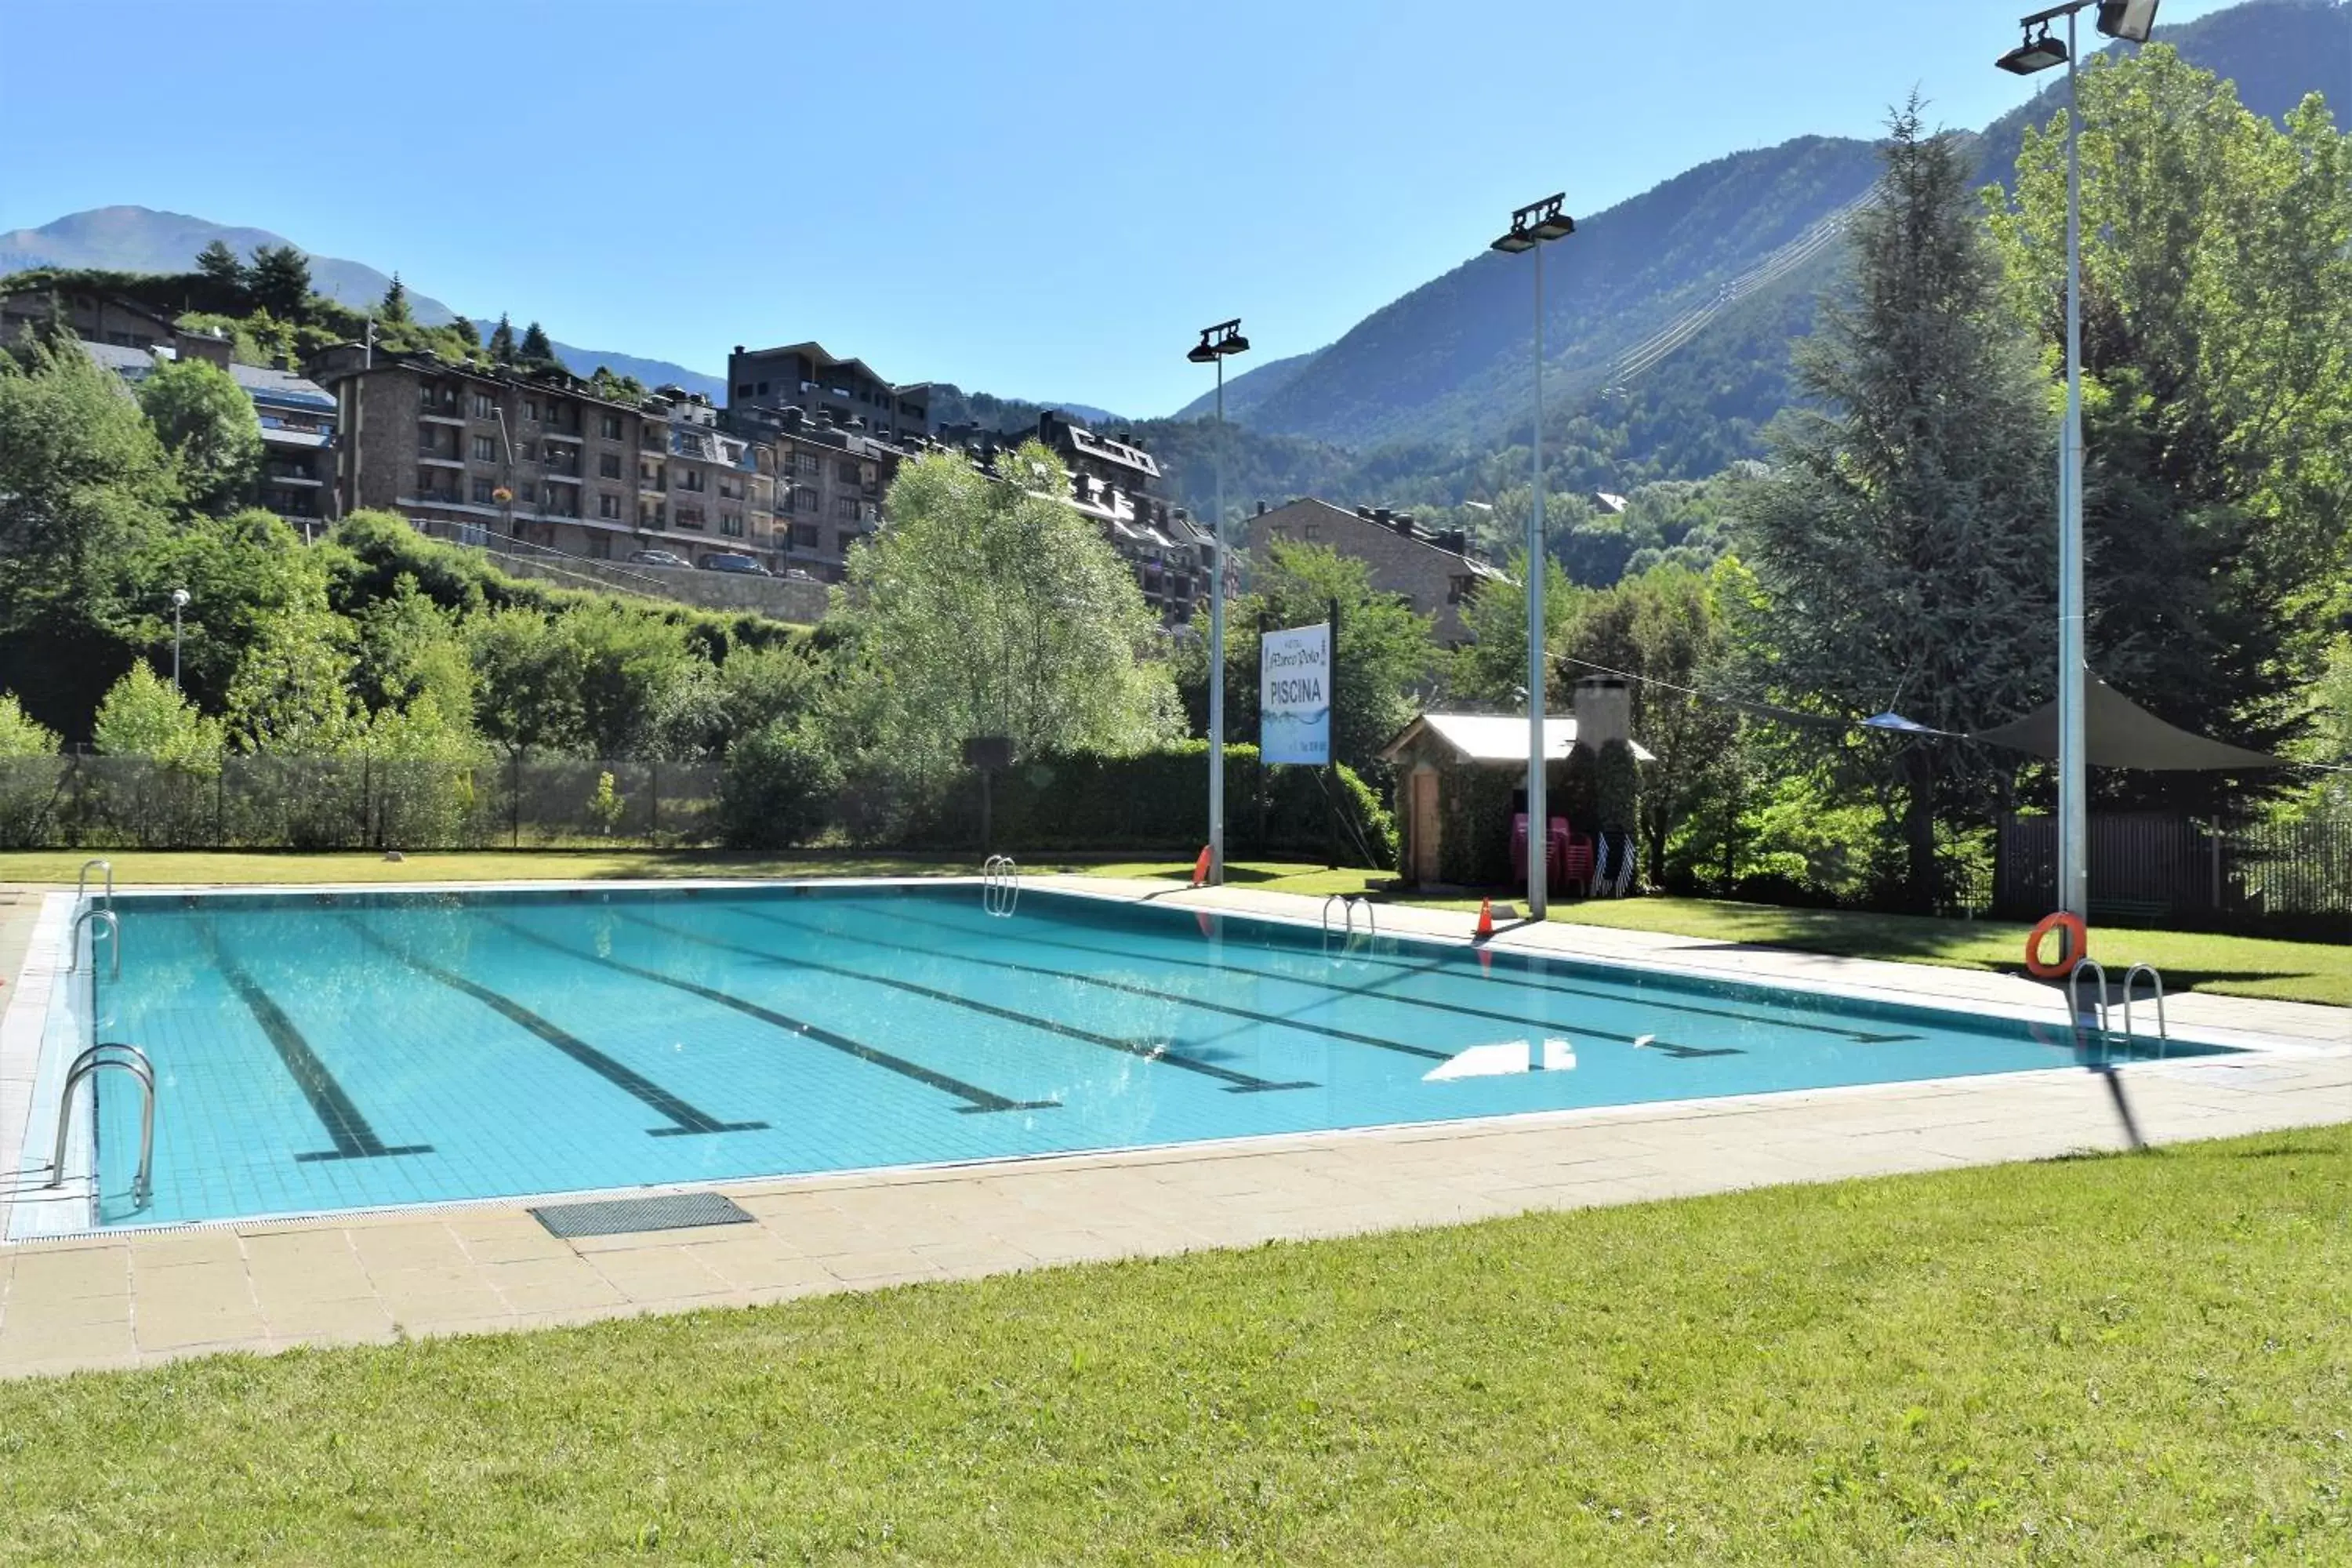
pixel 1217 345
pixel 1531 226
pixel 2132 20
pixel 179 602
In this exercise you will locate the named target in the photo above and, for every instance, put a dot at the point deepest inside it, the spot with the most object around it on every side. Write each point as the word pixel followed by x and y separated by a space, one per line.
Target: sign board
pixel 1293 695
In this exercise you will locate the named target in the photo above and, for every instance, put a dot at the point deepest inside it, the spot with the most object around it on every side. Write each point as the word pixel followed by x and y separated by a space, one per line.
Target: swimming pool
pixel 334 1051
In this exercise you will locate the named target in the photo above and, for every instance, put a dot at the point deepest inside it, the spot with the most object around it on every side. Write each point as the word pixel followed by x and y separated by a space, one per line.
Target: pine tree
pixel 1904 544
pixel 280 281
pixel 218 263
pixel 502 342
pixel 536 349
pixel 394 307
pixel 467 333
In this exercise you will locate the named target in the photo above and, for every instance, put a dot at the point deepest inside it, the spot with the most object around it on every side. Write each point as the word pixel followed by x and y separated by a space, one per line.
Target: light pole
pixel 2132 20
pixel 1217 345
pixel 179 602
pixel 1531 226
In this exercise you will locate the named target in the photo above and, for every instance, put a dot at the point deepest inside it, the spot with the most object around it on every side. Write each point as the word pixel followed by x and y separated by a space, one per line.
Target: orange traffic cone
pixel 1485 918
pixel 1200 869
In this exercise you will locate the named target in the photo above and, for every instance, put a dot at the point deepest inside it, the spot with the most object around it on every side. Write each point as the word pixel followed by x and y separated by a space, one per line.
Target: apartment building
pixel 830 479
pixel 843 394
pixel 297 418
pixel 710 484
pixel 1434 572
pixel 107 319
pixel 539 463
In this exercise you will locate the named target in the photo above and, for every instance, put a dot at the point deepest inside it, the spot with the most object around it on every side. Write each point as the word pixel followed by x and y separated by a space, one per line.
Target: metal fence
pixel 2171 871
pixel 351 803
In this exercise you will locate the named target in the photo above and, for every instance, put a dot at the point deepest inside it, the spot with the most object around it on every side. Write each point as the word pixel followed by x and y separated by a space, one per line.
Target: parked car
pixel 742 565
pixel 656 558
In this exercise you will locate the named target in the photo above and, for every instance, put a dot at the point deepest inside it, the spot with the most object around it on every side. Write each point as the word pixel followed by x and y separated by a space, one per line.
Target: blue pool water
pixel 321 1052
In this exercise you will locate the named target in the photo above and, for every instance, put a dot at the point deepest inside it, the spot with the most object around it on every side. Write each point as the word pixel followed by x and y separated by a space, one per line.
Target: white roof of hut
pixel 1491 739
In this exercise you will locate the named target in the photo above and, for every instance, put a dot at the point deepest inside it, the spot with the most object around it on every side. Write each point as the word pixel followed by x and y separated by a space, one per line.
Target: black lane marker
pixel 345 1126
pixel 1399 1046
pixel 1448 970
pixel 685 1121
pixel 976 1100
pixel 1159 1051
pixel 1517 1020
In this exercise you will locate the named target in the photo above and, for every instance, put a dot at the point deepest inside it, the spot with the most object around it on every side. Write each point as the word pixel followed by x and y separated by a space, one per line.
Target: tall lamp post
pixel 1217 345
pixel 179 602
pixel 1531 226
pixel 2132 20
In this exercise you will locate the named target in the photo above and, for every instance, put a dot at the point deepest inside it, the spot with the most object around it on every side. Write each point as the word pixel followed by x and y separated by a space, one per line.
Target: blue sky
pixel 1037 198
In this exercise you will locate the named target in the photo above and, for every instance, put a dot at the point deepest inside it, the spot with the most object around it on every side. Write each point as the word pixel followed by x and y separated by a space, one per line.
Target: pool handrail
pixel 2156 979
pixel 81 881
pixel 999 886
pixel 90 917
pixel 133 1061
pixel 2073 995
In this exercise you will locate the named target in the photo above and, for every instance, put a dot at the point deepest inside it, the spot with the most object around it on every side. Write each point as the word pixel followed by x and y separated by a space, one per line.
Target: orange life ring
pixel 2075 943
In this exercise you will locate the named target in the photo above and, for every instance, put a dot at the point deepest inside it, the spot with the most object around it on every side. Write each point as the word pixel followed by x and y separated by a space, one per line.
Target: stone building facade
pixel 843 394
pixel 1432 573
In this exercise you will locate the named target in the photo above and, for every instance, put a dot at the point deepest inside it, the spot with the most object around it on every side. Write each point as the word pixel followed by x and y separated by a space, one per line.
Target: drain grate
pixel 619 1217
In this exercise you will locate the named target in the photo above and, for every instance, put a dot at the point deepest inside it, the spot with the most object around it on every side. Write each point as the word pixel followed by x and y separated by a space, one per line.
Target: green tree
pixel 1903 545
pixel 84 492
pixel 19 735
pixel 292 693
pixel 393 308
pixel 219 264
pixel 141 716
pixel 239 570
pixel 207 422
pixel 1491 669
pixel 777 788
pixel 528 676
pixel 2218 363
pixel 1665 629
pixel 408 647
pixel 990 606
pixel 502 342
pixel 279 281
pixel 627 663
pixel 536 349
pixel 467 333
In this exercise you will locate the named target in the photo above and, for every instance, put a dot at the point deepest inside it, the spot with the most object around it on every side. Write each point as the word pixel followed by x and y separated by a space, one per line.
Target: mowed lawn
pixel 247 868
pixel 2143 1358
pixel 2190 961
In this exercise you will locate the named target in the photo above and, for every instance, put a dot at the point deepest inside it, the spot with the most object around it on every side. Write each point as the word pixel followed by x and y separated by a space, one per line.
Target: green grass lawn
pixel 2143 1358
pixel 238 867
pixel 2190 961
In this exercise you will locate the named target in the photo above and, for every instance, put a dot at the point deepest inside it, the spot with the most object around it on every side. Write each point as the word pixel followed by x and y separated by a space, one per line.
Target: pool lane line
pixel 977 1100
pixel 1327 1030
pixel 685 1121
pixel 345 1125
pixel 1235 1082
pixel 1451 969
pixel 1663 1048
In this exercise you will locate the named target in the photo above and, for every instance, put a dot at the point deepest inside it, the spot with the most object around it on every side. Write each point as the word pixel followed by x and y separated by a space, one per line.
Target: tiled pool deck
pixel 126 1301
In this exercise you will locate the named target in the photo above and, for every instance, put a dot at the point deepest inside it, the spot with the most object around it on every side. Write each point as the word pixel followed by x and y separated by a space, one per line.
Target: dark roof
pixel 1420 535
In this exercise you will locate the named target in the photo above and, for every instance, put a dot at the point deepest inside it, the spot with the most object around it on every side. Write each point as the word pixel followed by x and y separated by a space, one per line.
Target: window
pixel 485 492
pixel 846 507
pixel 486 448
pixel 742 389
pixel 689 480
pixel 523 451
pixel 649 514
pixel 730 523
pixel 812 464
pixel 1458 589
pixel 848 470
pixel 805 536
pixel 845 540
pixel 484 406
pixel 764 389
pixel 530 409
pixel 689 517
pixel 607 504
pixel 608 465
pixel 730 488
pixel 609 426
pixel 425 483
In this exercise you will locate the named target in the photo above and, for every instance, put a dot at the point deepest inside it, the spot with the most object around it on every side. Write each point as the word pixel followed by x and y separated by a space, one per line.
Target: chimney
pixel 1604 711
pixel 1381 515
pixel 1404 525
pixel 1365 512
pixel 1261 509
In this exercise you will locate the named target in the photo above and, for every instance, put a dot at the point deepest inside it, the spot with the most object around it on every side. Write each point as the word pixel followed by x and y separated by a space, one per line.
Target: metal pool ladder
pixel 2075 997
pixel 999 886
pixel 2131 979
pixel 82 882
pixel 1349 904
pixel 133 1061
pixel 91 917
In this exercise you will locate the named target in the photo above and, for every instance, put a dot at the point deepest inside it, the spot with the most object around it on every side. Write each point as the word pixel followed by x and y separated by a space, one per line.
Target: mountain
pixel 141 239
pixel 1660 313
